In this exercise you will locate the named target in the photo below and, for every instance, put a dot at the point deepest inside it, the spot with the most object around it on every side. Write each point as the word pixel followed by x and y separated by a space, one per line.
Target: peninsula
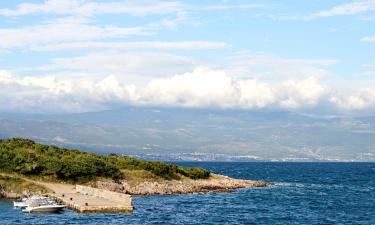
pixel 83 180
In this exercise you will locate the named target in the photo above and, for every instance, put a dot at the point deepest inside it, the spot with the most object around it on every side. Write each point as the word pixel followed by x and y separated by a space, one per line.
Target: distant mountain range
pixel 202 134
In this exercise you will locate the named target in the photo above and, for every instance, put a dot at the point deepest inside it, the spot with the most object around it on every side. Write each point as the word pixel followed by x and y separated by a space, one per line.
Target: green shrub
pixel 29 158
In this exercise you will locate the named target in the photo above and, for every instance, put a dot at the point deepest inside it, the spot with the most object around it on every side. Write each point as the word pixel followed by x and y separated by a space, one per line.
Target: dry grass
pixel 138 176
pixel 19 185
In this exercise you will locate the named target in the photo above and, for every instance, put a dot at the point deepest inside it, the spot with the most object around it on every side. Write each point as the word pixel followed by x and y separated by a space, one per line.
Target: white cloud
pixel 57 6
pixel 159 64
pixel 203 87
pixel 347 9
pixel 183 45
pixel 255 94
pixel 89 8
pixel 226 7
pixel 62 32
pixel 369 70
pixel 358 7
pixel 50 93
pixel 275 61
pixel 359 100
pixel 273 67
pixel 306 92
pixel 368 39
pixel 134 8
pixel 151 64
pixel 79 33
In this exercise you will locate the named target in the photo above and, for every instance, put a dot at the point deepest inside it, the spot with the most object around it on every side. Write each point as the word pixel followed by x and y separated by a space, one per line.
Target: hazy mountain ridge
pixel 235 133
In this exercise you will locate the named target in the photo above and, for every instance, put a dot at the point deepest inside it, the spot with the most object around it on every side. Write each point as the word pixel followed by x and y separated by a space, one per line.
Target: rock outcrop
pixel 184 186
pixel 10 195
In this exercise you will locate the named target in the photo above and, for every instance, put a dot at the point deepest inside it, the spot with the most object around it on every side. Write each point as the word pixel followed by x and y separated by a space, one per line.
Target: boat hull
pixel 44 209
pixel 21 205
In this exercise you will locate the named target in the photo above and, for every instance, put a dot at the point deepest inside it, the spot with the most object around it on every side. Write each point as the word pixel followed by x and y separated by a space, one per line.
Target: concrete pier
pixel 86 199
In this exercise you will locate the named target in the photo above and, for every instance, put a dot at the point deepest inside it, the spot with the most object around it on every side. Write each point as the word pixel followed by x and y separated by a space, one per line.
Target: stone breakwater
pixel 214 183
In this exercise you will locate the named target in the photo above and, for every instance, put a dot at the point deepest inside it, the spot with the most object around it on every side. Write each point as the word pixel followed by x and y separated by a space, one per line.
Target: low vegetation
pixel 19 186
pixel 24 156
pixel 135 177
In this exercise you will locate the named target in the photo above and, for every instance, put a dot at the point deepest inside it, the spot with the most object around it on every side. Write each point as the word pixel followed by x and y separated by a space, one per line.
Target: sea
pixel 302 193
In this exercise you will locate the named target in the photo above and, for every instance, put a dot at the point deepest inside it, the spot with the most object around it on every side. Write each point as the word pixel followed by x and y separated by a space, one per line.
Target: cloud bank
pixel 202 87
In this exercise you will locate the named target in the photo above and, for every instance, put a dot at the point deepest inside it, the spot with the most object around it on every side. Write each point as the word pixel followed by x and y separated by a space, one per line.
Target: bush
pixel 29 158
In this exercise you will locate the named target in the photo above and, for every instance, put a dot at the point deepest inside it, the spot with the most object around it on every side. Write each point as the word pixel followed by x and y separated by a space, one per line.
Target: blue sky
pixel 73 55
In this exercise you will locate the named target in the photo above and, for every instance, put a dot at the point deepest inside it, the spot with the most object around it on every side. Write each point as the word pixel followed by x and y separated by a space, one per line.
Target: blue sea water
pixel 303 193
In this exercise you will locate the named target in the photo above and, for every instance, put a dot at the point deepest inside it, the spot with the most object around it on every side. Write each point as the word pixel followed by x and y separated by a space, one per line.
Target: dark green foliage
pixel 194 173
pixel 29 158
pixel 161 169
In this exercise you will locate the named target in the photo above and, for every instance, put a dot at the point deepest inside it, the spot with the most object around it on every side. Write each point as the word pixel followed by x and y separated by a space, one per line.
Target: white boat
pixel 42 205
pixel 44 208
pixel 23 203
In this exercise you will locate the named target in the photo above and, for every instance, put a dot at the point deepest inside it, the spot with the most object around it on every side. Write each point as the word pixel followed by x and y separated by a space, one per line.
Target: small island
pixel 91 182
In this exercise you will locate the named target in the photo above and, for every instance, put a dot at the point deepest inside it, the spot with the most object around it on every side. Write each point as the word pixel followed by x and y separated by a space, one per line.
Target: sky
pixel 313 56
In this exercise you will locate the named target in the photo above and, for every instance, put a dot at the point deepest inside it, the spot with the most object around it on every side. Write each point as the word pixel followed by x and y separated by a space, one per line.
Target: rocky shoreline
pixel 215 182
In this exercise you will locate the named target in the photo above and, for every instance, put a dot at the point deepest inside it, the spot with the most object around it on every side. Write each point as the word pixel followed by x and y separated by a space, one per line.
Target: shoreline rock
pixel 9 195
pixel 217 183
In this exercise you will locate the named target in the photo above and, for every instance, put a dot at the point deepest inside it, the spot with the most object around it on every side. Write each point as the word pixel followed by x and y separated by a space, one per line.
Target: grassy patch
pixel 137 176
pixel 19 186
